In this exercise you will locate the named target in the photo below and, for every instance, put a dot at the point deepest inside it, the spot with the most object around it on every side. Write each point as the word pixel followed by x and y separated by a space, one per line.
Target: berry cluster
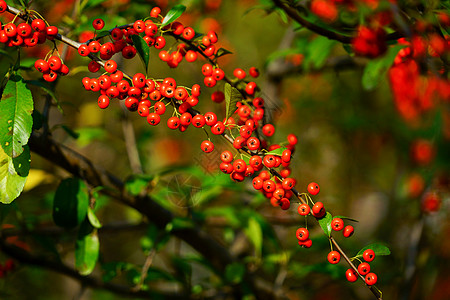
pixel 29 34
pixel 363 268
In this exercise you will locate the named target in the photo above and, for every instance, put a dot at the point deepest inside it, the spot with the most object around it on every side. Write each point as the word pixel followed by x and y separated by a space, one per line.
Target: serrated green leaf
pixel 379 250
pixel 222 52
pixel 11 183
pixel 142 48
pixel 16 121
pixel 277 152
pixel 325 223
pixel 70 203
pixel 232 96
pixel 87 249
pixel 173 14
pixel 95 222
pixel 376 69
pixel 346 218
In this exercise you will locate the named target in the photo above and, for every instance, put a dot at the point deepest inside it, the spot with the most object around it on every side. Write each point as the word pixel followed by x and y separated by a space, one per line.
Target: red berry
pixel 348 231
pixel 226 168
pixel 268 130
pixel 363 269
pixel 41 65
pixel 54 63
pixel 371 279
pixel 318 210
pixel 207 146
pixel 351 275
pixel 93 66
pixel 110 66
pixel 269 161
pixel 253 143
pixel 173 122
pixel 288 183
pixel 269 186
pixel 256 162
pixel 98 24
pixel 217 96
pixel 337 224
pixel 253 72
pixel 155 12
pixel 285 203
pixel 302 234
pixel 313 188
pixel 239 165
pixel 334 257
pixel 52 31
pixel 239 73
pixel 188 33
pixel 3 6
pixel 219 128
pixel 226 156
pixel 257 183
pixel 305 244
pixel 154 119
pixel 304 209
pixel 369 255
pixel 103 101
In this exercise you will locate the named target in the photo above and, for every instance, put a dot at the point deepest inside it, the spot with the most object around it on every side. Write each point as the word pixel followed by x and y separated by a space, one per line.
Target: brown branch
pixel 294 14
pixel 26 257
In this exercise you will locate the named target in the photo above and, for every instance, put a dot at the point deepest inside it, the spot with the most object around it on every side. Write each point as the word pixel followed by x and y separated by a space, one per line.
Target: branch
pixel 294 14
pixel 27 258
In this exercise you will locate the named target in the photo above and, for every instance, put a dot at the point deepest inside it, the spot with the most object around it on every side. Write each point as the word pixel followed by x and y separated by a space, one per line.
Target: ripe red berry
pixel 103 101
pixel 318 210
pixel 257 183
pixel 371 279
pixel 363 268
pixel 348 231
pixel 52 31
pixel 369 255
pixel 154 119
pixel 253 143
pixel 219 128
pixel 3 6
pixel 54 63
pixel 226 168
pixel 334 257
pixel 305 244
pixel 155 12
pixel 288 183
pixel 110 66
pixel 253 72
pixel 83 50
pixel 239 165
pixel 24 29
pixel 98 24
pixel 269 186
pixel 302 234
pixel 337 224
pixel 41 65
pixel 188 33
pixel 93 66
pixel 239 73
pixel 268 130
pixel 351 275
pixel 304 209
pixel 313 188
pixel 269 161
pixel 285 204
pixel 207 146
pixel 173 122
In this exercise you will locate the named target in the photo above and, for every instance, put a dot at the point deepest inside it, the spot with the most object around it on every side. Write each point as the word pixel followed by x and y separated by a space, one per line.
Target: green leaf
pixel 11 182
pixel 222 52
pixel 254 234
pixel 70 204
pixel 234 273
pixel 317 52
pixel 277 152
pixel 102 34
pixel 232 96
pixel 16 121
pixel 137 183
pixel 142 48
pixel 173 14
pixel 93 219
pixel 379 250
pixel 346 218
pixel 86 249
pixel 376 69
pixel 325 223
